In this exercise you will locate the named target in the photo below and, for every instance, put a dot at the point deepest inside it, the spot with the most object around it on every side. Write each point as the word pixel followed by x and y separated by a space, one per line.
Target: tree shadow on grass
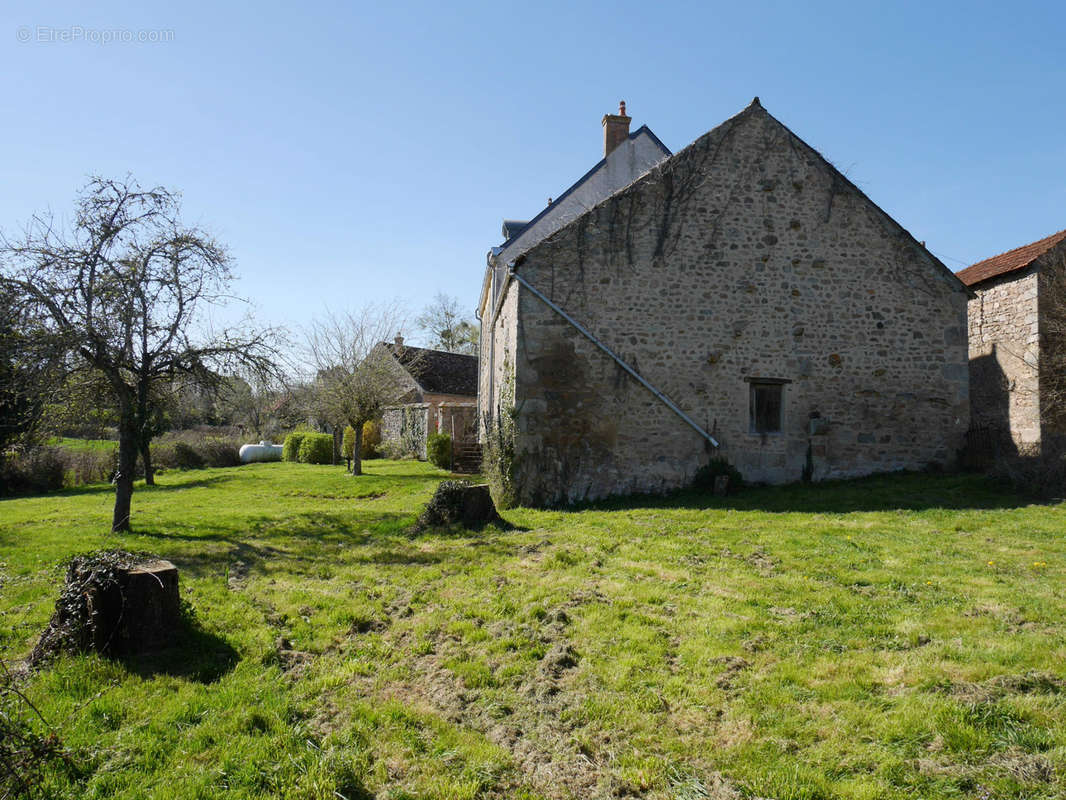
pixel 196 655
pixel 202 483
pixel 902 491
pixel 311 542
pixel 139 486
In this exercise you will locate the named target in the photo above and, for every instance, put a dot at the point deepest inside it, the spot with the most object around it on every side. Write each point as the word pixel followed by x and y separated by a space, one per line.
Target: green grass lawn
pixel 897 637
pixel 101 446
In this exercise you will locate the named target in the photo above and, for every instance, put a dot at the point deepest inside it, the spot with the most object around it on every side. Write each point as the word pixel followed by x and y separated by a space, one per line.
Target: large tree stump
pixel 459 502
pixel 143 611
pixel 116 604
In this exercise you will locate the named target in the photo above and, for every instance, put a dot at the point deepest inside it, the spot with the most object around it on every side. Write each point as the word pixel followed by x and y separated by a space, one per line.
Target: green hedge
pixel 439 450
pixel 290 450
pixel 315 448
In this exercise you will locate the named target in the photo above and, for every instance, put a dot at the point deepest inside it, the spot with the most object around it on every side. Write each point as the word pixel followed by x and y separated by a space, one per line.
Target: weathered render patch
pixel 744 266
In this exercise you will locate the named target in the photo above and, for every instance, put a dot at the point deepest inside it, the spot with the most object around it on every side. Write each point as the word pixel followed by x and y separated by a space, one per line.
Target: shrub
pixel 186 457
pixel 89 466
pixel 315 448
pixel 31 752
pixel 391 450
pixel 705 475
pixel 219 452
pixel 38 470
pixel 194 449
pixel 439 450
pixel 291 448
pixel 371 440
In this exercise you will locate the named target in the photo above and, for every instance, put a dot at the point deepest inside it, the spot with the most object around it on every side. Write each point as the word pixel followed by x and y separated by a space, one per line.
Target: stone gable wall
pixel 743 257
pixel 1004 336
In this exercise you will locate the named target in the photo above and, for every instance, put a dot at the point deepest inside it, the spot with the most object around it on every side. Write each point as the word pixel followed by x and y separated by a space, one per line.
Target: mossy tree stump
pixel 116 604
pixel 459 502
pixel 142 612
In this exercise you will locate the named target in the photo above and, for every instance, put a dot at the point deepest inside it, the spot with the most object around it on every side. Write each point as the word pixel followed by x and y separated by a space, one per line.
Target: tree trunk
pixel 146 459
pixel 127 463
pixel 357 450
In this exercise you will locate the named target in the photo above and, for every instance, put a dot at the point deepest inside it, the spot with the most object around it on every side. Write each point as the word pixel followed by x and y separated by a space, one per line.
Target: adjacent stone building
pixel 438 393
pixel 1016 328
pixel 741 300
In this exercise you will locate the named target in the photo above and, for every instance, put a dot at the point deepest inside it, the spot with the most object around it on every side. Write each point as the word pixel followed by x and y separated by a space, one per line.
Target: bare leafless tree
pixel 355 371
pixel 446 327
pixel 251 402
pixel 128 285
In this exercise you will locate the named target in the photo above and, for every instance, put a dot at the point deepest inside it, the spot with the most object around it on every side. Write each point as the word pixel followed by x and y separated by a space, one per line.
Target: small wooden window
pixel 766 406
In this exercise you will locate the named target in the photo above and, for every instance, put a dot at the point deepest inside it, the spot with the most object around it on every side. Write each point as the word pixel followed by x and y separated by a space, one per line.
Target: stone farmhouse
pixel 740 300
pixel 438 394
pixel 626 156
pixel 1016 326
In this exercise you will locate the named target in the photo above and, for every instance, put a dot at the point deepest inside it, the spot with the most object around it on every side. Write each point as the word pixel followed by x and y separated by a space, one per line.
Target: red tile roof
pixel 1011 261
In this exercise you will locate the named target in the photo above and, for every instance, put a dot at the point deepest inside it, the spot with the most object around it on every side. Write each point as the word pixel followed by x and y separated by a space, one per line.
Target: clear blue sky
pixel 350 153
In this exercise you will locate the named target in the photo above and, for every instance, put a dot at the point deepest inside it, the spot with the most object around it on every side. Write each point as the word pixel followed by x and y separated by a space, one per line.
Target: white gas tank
pixel 264 451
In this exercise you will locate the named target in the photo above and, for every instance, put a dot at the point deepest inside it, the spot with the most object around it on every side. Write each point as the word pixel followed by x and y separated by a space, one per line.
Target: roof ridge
pixel 1020 247
pixel 1002 264
pixel 722 129
pixel 591 171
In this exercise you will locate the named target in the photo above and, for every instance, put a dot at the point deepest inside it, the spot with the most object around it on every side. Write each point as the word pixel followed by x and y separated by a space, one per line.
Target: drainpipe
pixel 588 335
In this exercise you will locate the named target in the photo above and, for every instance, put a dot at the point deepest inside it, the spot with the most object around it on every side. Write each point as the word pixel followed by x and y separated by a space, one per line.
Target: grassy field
pixel 101 446
pixel 898 637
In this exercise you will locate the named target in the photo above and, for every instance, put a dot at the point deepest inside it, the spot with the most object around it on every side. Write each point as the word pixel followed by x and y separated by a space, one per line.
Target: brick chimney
pixel 615 129
pixel 397 345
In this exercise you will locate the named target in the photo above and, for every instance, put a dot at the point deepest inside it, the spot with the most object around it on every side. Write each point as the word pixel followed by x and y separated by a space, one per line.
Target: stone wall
pixel 404 429
pixel 744 257
pixel 1004 334
pixel 496 362
pixel 1052 305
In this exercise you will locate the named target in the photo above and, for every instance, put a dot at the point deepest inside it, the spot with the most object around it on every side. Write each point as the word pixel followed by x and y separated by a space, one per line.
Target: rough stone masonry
pixel 748 280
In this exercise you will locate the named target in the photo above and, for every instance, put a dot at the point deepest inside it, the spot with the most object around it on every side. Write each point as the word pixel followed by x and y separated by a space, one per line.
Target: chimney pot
pixel 399 341
pixel 615 129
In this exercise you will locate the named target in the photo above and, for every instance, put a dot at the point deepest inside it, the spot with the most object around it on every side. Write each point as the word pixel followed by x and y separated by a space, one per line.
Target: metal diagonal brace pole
pixel 588 335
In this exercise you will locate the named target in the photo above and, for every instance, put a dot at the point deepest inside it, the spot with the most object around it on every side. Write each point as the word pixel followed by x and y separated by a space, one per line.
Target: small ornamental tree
pixel 356 373
pixel 126 286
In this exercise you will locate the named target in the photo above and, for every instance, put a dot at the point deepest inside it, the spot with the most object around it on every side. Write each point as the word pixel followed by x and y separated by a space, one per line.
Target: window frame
pixel 756 384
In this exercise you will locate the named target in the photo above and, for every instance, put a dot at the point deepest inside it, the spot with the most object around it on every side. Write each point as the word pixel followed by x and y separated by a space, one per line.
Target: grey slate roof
pixel 437 371
pixel 596 168
pixel 513 226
